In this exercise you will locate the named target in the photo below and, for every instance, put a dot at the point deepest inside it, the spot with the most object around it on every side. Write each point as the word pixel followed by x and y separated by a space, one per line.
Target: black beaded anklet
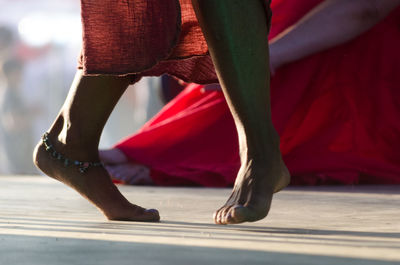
pixel 83 166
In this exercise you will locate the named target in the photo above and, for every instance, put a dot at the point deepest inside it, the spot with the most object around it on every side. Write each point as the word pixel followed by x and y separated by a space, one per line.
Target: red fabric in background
pixel 191 141
pixel 337 113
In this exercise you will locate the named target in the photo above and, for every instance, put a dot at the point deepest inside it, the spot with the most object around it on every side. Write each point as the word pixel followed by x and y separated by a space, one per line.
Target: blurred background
pixel 39 46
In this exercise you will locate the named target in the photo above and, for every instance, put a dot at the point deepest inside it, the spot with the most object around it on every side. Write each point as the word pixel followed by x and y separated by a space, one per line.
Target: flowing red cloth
pixel 337 112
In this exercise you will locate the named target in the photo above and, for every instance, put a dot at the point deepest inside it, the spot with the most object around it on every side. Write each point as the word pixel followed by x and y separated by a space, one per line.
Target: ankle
pixel 73 149
pixel 261 149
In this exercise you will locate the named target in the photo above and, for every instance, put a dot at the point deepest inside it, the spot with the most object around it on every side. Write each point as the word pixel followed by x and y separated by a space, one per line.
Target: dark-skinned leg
pixel 236 33
pixel 76 133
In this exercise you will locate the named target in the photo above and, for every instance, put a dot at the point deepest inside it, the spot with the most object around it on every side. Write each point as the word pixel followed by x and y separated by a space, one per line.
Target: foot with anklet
pixel 90 179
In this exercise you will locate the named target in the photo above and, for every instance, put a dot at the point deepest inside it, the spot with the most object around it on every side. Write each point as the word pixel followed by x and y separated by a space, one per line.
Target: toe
pixel 137 215
pixel 147 215
pixel 217 215
pixel 225 215
pixel 153 215
pixel 220 215
pixel 239 214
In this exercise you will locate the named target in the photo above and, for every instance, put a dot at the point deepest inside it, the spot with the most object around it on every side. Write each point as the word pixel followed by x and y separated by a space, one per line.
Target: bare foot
pixel 252 193
pixel 130 173
pixel 95 185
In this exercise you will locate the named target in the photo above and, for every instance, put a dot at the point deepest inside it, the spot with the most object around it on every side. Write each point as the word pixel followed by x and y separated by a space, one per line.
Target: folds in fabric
pixel 337 113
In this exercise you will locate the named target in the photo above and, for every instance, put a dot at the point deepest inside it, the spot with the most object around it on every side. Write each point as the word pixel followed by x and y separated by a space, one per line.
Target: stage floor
pixel 42 222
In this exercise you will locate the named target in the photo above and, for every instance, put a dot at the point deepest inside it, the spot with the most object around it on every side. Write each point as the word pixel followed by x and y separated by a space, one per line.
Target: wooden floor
pixel 43 222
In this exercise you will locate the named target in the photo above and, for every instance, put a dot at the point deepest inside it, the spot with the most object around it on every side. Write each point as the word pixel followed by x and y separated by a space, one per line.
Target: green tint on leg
pixel 236 32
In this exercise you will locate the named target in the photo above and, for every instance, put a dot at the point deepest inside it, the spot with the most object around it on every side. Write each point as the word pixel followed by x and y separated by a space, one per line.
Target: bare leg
pixel 236 32
pixel 76 134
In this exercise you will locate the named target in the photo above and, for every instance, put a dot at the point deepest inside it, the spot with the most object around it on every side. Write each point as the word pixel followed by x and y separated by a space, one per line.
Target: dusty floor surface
pixel 43 222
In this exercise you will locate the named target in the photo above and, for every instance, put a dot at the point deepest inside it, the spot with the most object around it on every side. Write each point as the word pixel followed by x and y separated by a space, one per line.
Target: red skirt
pixel 337 113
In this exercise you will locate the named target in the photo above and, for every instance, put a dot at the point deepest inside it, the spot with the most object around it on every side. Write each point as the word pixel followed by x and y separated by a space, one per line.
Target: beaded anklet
pixel 83 166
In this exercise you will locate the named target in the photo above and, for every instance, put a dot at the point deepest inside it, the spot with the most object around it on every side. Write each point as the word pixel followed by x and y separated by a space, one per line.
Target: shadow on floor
pixel 201 231
pixel 37 250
